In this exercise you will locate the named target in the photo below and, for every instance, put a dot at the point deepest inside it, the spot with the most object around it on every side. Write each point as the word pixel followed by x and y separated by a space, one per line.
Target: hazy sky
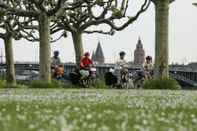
pixel 182 38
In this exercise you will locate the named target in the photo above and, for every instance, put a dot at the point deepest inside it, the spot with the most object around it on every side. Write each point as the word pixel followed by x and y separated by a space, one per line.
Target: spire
pixel 139 44
pixel 98 55
pixel 139 38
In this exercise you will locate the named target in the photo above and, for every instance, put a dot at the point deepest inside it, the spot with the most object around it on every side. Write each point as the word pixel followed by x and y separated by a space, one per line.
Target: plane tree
pixel 113 15
pixel 8 32
pixel 36 16
pixel 161 67
pixel 77 17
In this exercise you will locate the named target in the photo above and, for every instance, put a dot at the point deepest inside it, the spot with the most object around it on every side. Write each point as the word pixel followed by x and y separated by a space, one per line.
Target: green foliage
pixel 70 86
pixel 71 13
pixel 14 86
pixel 2 14
pixel 116 12
pixel 2 83
pixel 100 2
pixel 99 84
pixel 43 84
pixel 165 83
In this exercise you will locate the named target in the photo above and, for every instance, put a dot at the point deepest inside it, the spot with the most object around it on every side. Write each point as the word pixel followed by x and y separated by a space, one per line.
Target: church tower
pixel 139 54
pixel 98 56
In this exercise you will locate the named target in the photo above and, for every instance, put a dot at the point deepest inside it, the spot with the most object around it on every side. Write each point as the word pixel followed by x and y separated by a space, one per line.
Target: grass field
pixel 97 110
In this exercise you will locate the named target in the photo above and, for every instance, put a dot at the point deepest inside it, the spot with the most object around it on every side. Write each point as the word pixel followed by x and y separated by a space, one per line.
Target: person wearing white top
pixel 148 68
pixel 121 68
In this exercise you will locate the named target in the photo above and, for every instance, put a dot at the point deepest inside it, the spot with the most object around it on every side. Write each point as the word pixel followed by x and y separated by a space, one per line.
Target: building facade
pixel 139 53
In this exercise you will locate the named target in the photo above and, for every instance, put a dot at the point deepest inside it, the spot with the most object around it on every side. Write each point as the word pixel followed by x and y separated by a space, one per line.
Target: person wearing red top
pixel 85 65
pixel 86 62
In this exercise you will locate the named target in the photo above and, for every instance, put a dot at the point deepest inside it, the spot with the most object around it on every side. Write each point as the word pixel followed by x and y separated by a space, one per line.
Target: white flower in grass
pixel 92 126
pixel 194 120
pixel 88 116
pixel 98 95
pixel 163 113
pixel 37 106
pixel 137 127
pixel 53 122
pixel 170 129
pixel 144 122
pixel 76 109
pixel 4 110
pixel 21 117
pixel 192 116
pixel 104 128
pixel 63 124
pixel 31 126
pixel 8 117
pixel 41 130
pixel 18 108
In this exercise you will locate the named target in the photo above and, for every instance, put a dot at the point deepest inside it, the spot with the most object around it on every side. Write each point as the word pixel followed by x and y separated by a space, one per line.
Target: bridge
pixel 184 75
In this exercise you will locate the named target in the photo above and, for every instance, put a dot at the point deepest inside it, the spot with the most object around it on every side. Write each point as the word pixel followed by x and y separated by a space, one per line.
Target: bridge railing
pixel 184 79
pixel 101 70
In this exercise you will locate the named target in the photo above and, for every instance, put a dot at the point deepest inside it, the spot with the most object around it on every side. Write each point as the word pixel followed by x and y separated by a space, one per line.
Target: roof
pixel 98 55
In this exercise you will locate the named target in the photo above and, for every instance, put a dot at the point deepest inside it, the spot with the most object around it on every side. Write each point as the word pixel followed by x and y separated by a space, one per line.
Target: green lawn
pixel 97 110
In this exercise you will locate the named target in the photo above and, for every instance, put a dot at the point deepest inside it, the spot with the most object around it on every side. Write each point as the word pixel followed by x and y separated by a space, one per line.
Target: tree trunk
pixel 45 49
pixel 78 46
pixel 161 47
pixel 10 72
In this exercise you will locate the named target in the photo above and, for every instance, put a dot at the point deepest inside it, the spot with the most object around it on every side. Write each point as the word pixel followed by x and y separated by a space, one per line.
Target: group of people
pixel 147 67
pixel 58 69
pixel 86 63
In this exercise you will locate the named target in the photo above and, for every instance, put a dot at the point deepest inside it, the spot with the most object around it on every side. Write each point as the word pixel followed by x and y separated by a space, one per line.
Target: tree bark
pixel 45 49
pixel 161 47
pixel 78 46
pixel 10 71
